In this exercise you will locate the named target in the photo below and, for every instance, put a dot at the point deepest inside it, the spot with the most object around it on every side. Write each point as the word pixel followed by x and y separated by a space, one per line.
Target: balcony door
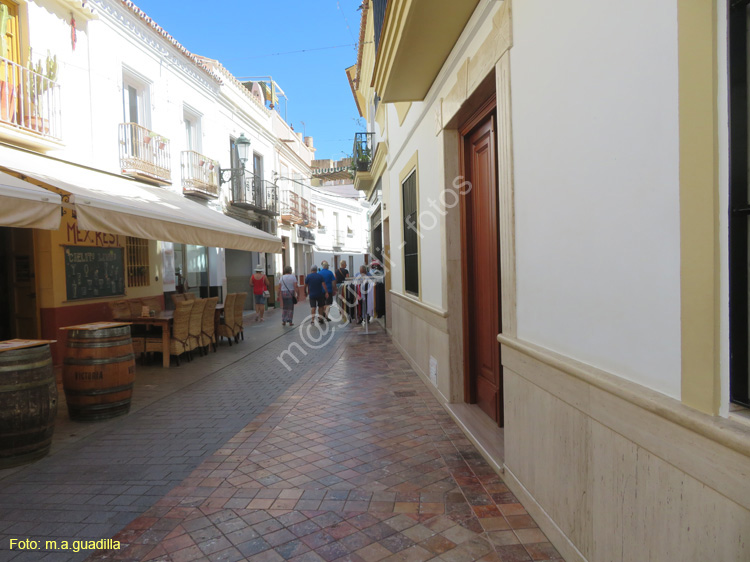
pixel 258 196
pixel 135 102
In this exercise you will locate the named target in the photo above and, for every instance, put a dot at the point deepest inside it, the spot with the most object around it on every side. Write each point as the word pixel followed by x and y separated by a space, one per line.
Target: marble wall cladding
pixel 607 474
pixel 420 334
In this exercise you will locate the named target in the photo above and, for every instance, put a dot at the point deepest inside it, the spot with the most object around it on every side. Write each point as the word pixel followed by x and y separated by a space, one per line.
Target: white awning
pixel 24 205
pixel 110 203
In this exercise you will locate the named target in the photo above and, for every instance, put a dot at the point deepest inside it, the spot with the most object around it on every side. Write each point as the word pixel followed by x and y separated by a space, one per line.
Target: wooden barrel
pixel 98 373
pixel 28 404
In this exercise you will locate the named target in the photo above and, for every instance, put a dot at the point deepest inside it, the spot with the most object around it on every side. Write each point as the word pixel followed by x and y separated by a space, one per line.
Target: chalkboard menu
pixel 92 272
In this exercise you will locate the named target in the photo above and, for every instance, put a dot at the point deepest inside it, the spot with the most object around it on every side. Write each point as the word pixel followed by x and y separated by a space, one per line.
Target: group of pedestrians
pixel 321 286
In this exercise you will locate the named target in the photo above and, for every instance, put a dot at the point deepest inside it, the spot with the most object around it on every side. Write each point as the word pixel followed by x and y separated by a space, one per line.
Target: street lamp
pixel 242 146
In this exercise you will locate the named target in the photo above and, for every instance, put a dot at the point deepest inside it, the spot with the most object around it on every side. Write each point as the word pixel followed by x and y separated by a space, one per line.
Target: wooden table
pixel 9 345
pixel 162 319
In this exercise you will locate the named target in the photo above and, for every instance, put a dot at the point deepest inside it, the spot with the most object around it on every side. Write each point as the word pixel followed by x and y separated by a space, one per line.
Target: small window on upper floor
pixel 136 104
pixel 193 137
pixel 321 220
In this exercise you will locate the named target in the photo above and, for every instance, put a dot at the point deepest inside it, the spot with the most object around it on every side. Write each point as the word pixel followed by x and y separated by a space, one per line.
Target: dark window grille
pixel 411 234
pixel 739 214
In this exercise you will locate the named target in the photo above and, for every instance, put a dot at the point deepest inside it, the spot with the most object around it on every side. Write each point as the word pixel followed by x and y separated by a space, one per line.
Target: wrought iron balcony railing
pixel 144 154
pixel 363 151
pixel 256 194
pixel 200 174
pixel 29 101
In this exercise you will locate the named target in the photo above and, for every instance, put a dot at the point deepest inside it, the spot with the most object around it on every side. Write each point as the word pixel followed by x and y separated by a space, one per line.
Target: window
pixel 138 267
pixel 411 234
pixel 349 226
pixel 238 191
pixel 258 194
pixel 135 100
pixel 321 220
pixel 739 202
pixel 192 129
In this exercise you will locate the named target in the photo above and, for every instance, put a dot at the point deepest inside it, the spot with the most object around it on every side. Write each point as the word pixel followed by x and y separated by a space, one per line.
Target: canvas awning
pixel 24 205
pixel 110 203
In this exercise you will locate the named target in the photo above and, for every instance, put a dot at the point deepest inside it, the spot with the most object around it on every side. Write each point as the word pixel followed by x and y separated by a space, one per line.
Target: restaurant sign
pixel 305 235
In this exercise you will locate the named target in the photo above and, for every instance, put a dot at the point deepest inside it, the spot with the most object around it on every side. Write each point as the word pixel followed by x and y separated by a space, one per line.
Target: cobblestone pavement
pixel 95 483
pixel 356 460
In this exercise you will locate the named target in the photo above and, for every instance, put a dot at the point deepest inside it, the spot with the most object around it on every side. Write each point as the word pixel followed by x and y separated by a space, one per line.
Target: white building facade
pixel 343 226
pixel 560 272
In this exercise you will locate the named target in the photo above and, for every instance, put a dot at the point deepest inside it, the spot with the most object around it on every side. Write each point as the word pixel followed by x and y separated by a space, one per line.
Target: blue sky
pixel 245 37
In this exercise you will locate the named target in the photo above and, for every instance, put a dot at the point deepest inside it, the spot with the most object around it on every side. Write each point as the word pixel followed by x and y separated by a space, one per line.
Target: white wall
pixel 595 141
pixel 430 184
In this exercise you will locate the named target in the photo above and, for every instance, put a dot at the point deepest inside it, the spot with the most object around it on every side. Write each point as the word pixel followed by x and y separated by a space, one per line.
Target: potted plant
pixel 363 160
pixel 40 78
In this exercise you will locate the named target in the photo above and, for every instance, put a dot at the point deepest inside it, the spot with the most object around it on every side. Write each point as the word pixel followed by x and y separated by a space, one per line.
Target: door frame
pixel 486 108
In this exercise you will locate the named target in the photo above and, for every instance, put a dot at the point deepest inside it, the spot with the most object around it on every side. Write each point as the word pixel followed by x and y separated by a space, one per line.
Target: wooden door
pixel 481 264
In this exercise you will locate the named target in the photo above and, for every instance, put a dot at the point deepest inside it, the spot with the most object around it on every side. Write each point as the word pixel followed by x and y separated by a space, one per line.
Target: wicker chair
pixel 120 309
pixel 226 328
pixel 196 325
pixel 179 342
pixel 136 307
pixel 239 308
pixel 208 328
pixel 153 303
pixel 190 296
pixel 177 297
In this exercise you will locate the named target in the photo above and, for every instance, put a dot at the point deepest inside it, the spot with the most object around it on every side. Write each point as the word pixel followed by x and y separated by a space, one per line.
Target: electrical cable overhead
pixel 346 21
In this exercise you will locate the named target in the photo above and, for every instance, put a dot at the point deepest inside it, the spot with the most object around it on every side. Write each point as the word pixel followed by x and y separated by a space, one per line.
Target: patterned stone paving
pixel 358 462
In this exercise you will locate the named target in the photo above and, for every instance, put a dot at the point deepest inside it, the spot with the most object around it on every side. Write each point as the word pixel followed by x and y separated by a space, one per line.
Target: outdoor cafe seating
pixel 195 324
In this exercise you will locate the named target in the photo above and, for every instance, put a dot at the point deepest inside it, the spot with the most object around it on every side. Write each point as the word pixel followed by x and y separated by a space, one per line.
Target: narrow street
pixel 234 457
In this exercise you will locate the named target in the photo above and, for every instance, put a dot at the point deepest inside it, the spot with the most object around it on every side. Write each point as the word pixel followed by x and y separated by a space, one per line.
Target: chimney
pixel 309 142
pixel 299 136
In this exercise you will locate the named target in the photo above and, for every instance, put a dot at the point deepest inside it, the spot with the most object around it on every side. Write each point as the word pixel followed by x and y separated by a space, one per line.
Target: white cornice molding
pixel 125 22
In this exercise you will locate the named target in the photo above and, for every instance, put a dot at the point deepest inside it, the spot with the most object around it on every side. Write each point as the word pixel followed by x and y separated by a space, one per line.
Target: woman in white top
pixel 288 291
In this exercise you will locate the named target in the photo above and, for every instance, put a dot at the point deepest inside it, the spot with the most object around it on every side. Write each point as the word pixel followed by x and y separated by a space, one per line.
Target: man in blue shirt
pixel 317 291
pixel 330 280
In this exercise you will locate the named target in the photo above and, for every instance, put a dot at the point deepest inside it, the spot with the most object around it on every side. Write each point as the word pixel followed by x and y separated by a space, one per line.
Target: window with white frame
pixel 321 220
pixel 135 99
pixel 192 120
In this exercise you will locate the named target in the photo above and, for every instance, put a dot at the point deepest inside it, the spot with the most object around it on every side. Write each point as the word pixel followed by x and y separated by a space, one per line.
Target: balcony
pixel 144 154
pixel 256 194
pixel 339 239
pixel 313 223
pixel 363 151
pixel 363 157
pixel 29 101
pixel 200 175
pixel 417 37
pixel 290 210
pixel 305 208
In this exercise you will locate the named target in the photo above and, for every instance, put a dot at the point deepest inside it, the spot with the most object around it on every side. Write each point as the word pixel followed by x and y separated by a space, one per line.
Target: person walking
pixel 259 283
pixel 288 292
pixel 341 274
pixel 330 281
pixel 316 289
